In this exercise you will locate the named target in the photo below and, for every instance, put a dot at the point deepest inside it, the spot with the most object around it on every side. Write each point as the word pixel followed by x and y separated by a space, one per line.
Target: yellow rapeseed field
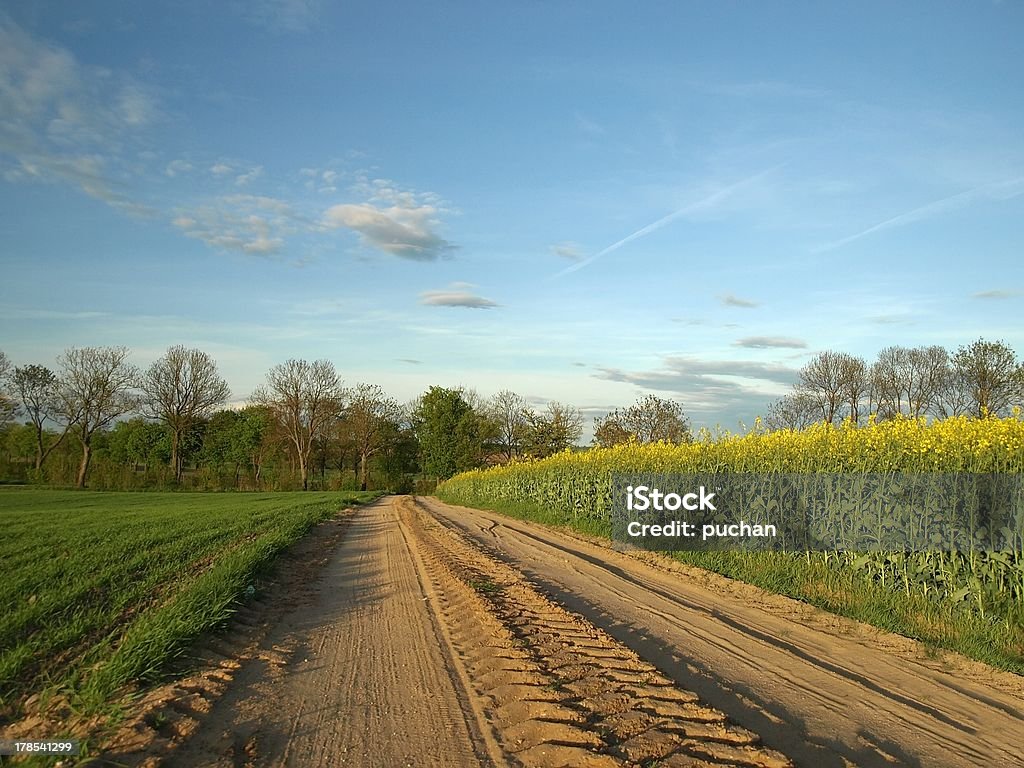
pixel 574 488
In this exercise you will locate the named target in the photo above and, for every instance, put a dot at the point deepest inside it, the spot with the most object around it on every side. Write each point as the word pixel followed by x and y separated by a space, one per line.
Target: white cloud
pixel 456 295
pixel 221 169
pixel 245 223
pixel 404 230
pixel 770 342
pixel 245 178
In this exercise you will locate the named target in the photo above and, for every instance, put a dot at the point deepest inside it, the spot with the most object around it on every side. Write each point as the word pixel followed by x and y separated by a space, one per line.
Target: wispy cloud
pixel 996 294
pixel 249 224
pixel 1002 190
pixel 567 250
pixel 283 15
pixel 177 168
pixel 65 122
pixel 706 203
pixel 243 179
pixel 456 295
pixel 770 342
pixel 588 126
pixel 735 301
pixel 711 386
pixel 890 319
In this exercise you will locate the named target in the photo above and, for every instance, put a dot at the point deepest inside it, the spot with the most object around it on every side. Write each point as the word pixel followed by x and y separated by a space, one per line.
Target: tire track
pixel 559 691
pixel 824 690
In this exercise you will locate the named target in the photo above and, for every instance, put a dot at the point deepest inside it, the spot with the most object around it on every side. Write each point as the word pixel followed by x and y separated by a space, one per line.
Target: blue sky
pixel 578 201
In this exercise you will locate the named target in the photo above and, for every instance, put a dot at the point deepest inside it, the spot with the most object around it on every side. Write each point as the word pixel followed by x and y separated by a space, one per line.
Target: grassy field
pixel 98 590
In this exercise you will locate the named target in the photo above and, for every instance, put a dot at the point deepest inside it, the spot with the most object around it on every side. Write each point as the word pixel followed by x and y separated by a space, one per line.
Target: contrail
pixel 1003 190
pixel 708 202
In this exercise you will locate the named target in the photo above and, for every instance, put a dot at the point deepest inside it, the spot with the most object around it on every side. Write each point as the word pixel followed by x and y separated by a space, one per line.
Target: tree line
pixel 97 416
pixel 978 379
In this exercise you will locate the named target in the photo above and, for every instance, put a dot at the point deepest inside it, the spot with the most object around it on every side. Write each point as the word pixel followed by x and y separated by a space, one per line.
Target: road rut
pixel 823 690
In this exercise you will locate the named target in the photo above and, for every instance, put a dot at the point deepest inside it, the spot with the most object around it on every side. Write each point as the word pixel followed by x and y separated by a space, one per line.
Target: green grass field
pixel 98 590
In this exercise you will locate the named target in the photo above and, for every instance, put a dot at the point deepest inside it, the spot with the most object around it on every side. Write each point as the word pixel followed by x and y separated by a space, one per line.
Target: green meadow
pixel 100 590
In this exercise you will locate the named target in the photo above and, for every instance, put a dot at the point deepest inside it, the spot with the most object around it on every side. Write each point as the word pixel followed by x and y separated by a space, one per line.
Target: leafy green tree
pixel 649 420
pixel 449 433
pixel 137 441
pixel 553 430
pixel 398 461
pixel 989 373
pixel 254 437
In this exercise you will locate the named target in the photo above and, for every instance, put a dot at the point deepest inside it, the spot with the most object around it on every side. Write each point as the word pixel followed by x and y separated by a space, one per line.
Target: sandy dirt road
pixel 405 645
pixel 361 677
pixel 823 690
pixel 413 633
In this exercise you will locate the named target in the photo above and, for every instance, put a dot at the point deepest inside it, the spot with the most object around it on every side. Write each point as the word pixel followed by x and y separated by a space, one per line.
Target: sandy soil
pixel 414 633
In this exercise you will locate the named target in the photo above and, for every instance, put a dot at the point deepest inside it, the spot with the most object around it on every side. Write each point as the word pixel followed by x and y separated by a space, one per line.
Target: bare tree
pixel 648 420
pixel 8 405
pixel 989 372
pixel 370 420
pixel 179 389
pixel 909 381
pixel 38 389
pixel 856 385
pixel 507 410
pixel 96 388
pixel 833 380
pixel 793 411
pixel 954 397
pixel 305 399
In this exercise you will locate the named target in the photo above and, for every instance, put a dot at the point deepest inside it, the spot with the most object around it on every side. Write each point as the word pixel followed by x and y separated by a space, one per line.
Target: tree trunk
pixel 83 468
pixel 362 472
pixel 175 458
pixel 304 471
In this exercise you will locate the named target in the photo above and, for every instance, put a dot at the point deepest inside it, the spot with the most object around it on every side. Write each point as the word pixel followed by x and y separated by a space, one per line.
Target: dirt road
pixel 414 633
